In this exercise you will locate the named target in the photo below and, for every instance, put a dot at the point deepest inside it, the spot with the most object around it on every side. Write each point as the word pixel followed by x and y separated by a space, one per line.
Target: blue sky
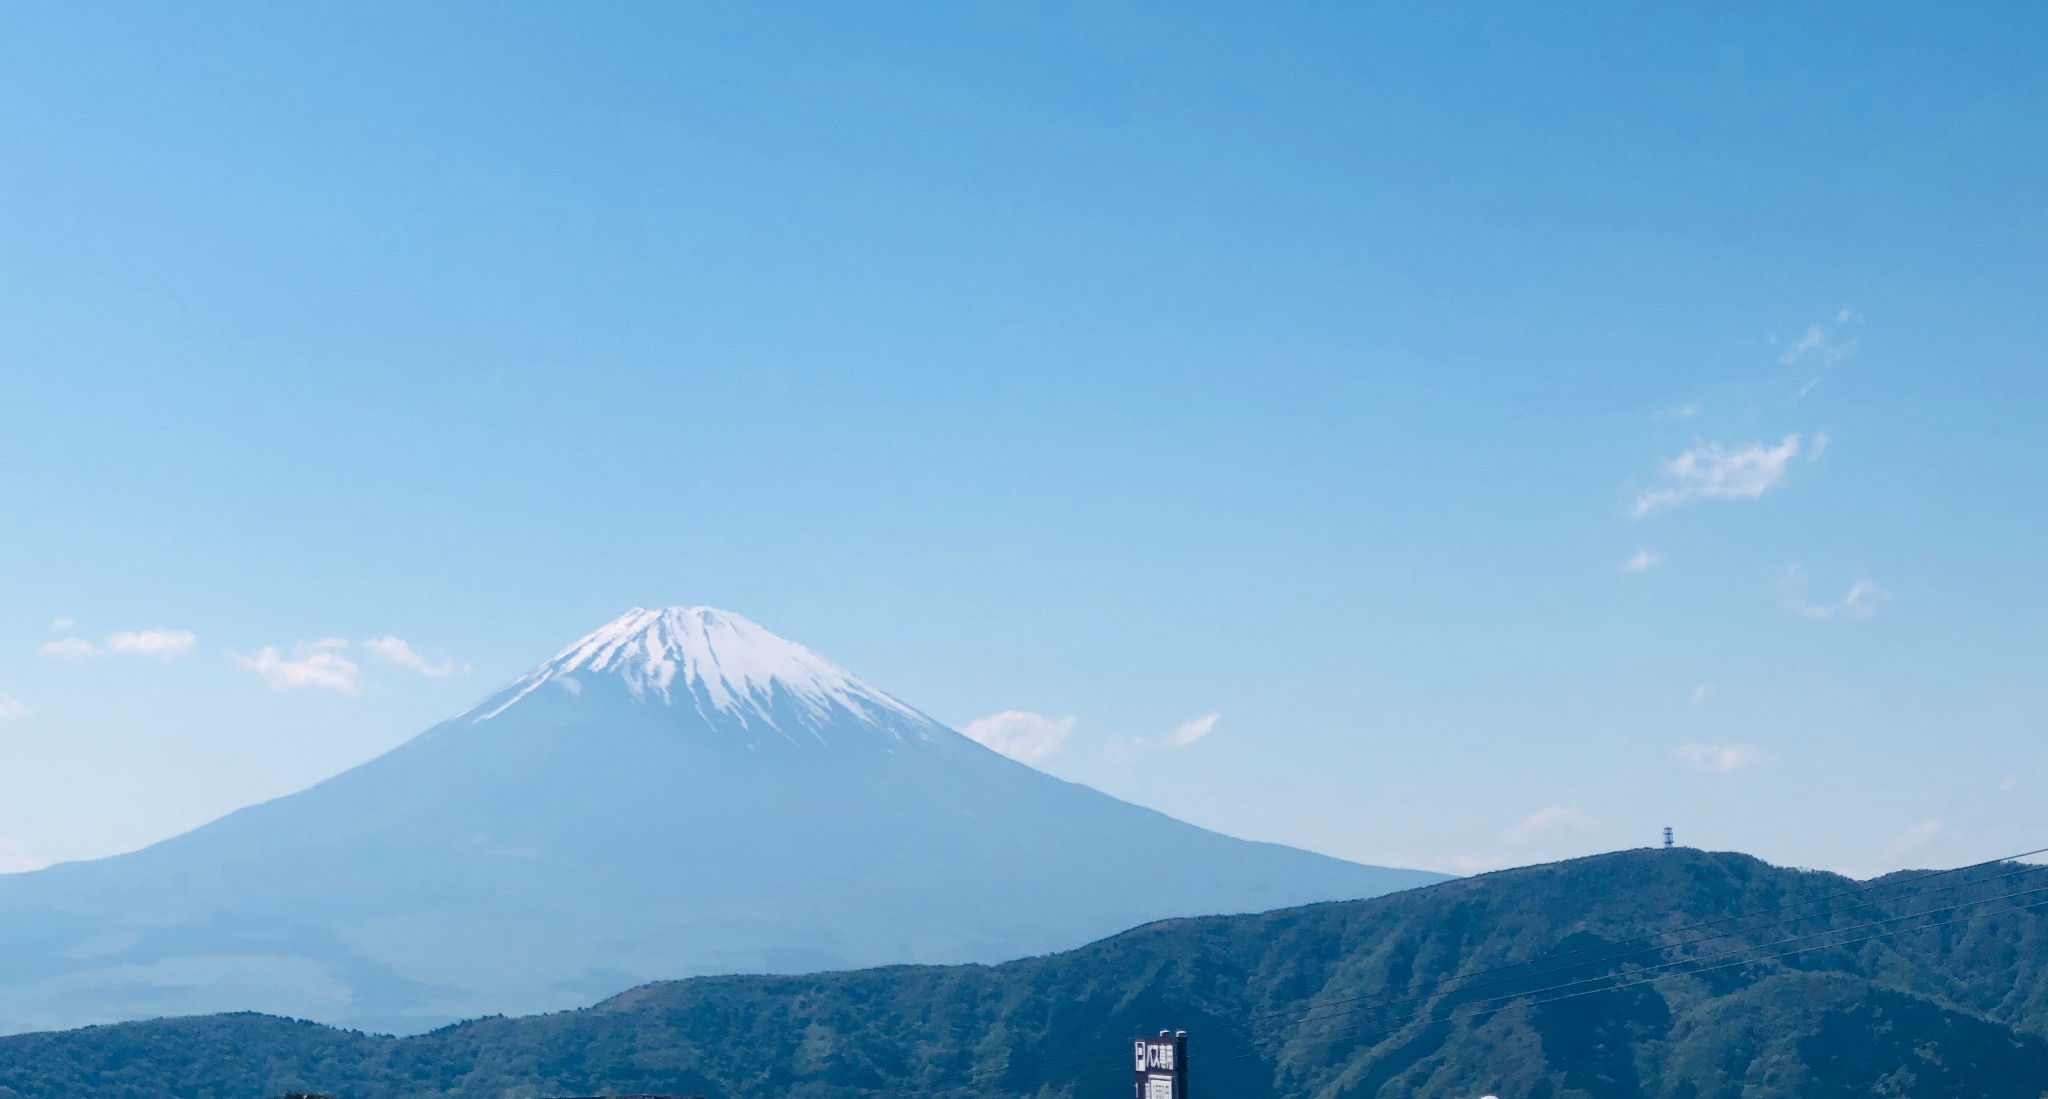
pixel 1318 368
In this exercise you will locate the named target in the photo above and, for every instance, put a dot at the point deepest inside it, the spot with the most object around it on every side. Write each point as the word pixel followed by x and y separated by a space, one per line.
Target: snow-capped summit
pixel 718 660
pixel 681 792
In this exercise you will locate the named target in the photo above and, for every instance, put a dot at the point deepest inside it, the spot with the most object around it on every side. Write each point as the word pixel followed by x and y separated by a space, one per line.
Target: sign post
pixel 1162 1065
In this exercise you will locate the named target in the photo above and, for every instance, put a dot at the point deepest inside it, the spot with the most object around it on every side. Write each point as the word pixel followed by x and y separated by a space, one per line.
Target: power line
pixel 1452 1016
pixel 1510 997
pixel 1501 1003
pixel 1615 959
pixel 1534 969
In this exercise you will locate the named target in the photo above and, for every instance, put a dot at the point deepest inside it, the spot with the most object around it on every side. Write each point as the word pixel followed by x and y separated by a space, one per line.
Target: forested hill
pixel 1753 982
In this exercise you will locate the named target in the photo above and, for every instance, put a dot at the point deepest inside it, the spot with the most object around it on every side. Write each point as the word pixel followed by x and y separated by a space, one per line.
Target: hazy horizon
pixel 1441 439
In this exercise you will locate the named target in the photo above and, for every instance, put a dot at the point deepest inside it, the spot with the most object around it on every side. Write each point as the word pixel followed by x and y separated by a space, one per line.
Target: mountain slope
pixel 1390 997
pixel 680 792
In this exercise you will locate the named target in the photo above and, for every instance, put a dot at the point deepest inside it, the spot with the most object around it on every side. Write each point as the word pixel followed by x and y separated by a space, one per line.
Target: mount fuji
pixel 681 792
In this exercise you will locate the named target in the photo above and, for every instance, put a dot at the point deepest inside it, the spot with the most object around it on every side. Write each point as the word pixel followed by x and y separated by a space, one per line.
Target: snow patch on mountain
pixel 717 658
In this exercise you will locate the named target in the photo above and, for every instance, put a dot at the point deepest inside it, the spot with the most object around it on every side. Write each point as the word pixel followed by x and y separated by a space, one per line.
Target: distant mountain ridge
pixel 679 792
pixel 1648 974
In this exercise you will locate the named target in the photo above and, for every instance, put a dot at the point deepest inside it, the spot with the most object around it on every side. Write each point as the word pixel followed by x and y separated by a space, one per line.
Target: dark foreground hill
pixel 1595 979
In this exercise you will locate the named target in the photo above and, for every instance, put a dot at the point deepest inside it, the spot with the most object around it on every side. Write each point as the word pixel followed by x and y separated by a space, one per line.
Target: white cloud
pixel 2008 784
pixel 1916 840
pixel 1468 864
pixel 1685 411
pixel 1180 737
pixel 11 707
pixel 1922 844
pixel 1812 338
pixel 1192 731
pixel 1701 693
pixel 1020 734
pixel 1643 561
pixel 1823 344
pixel 159 645
pixel 318 666
pixel 1549 823
pixel 395 650
pixel 1824 340
pixel 1860 601
pixel 1819 447
pixel 16 858
pixel 62 624
pixel 1720 759
pixel 1715 472
pixel 70 648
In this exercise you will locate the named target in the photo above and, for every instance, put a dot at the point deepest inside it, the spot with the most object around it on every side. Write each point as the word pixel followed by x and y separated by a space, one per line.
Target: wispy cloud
pixel 163 646
pixel 158 645
pixel 70 648
pixel 1916 840
pixel 1685 411
pixel 1701 693
pixel 1467 864
pixel 1922 844
pixel 1549 823
pixel 1180 736
pixel 1809 340
pixel 1825 341
pixel 395 650
pixel 1860 601
pixel 62 624
pixel 1822 345
pixel 314 666
pixel 1713 471
pixel 1191 731
pixel 1720 759
pixel 11 707
pixel 1020 734
pixel 16 858
pixel 1643 561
